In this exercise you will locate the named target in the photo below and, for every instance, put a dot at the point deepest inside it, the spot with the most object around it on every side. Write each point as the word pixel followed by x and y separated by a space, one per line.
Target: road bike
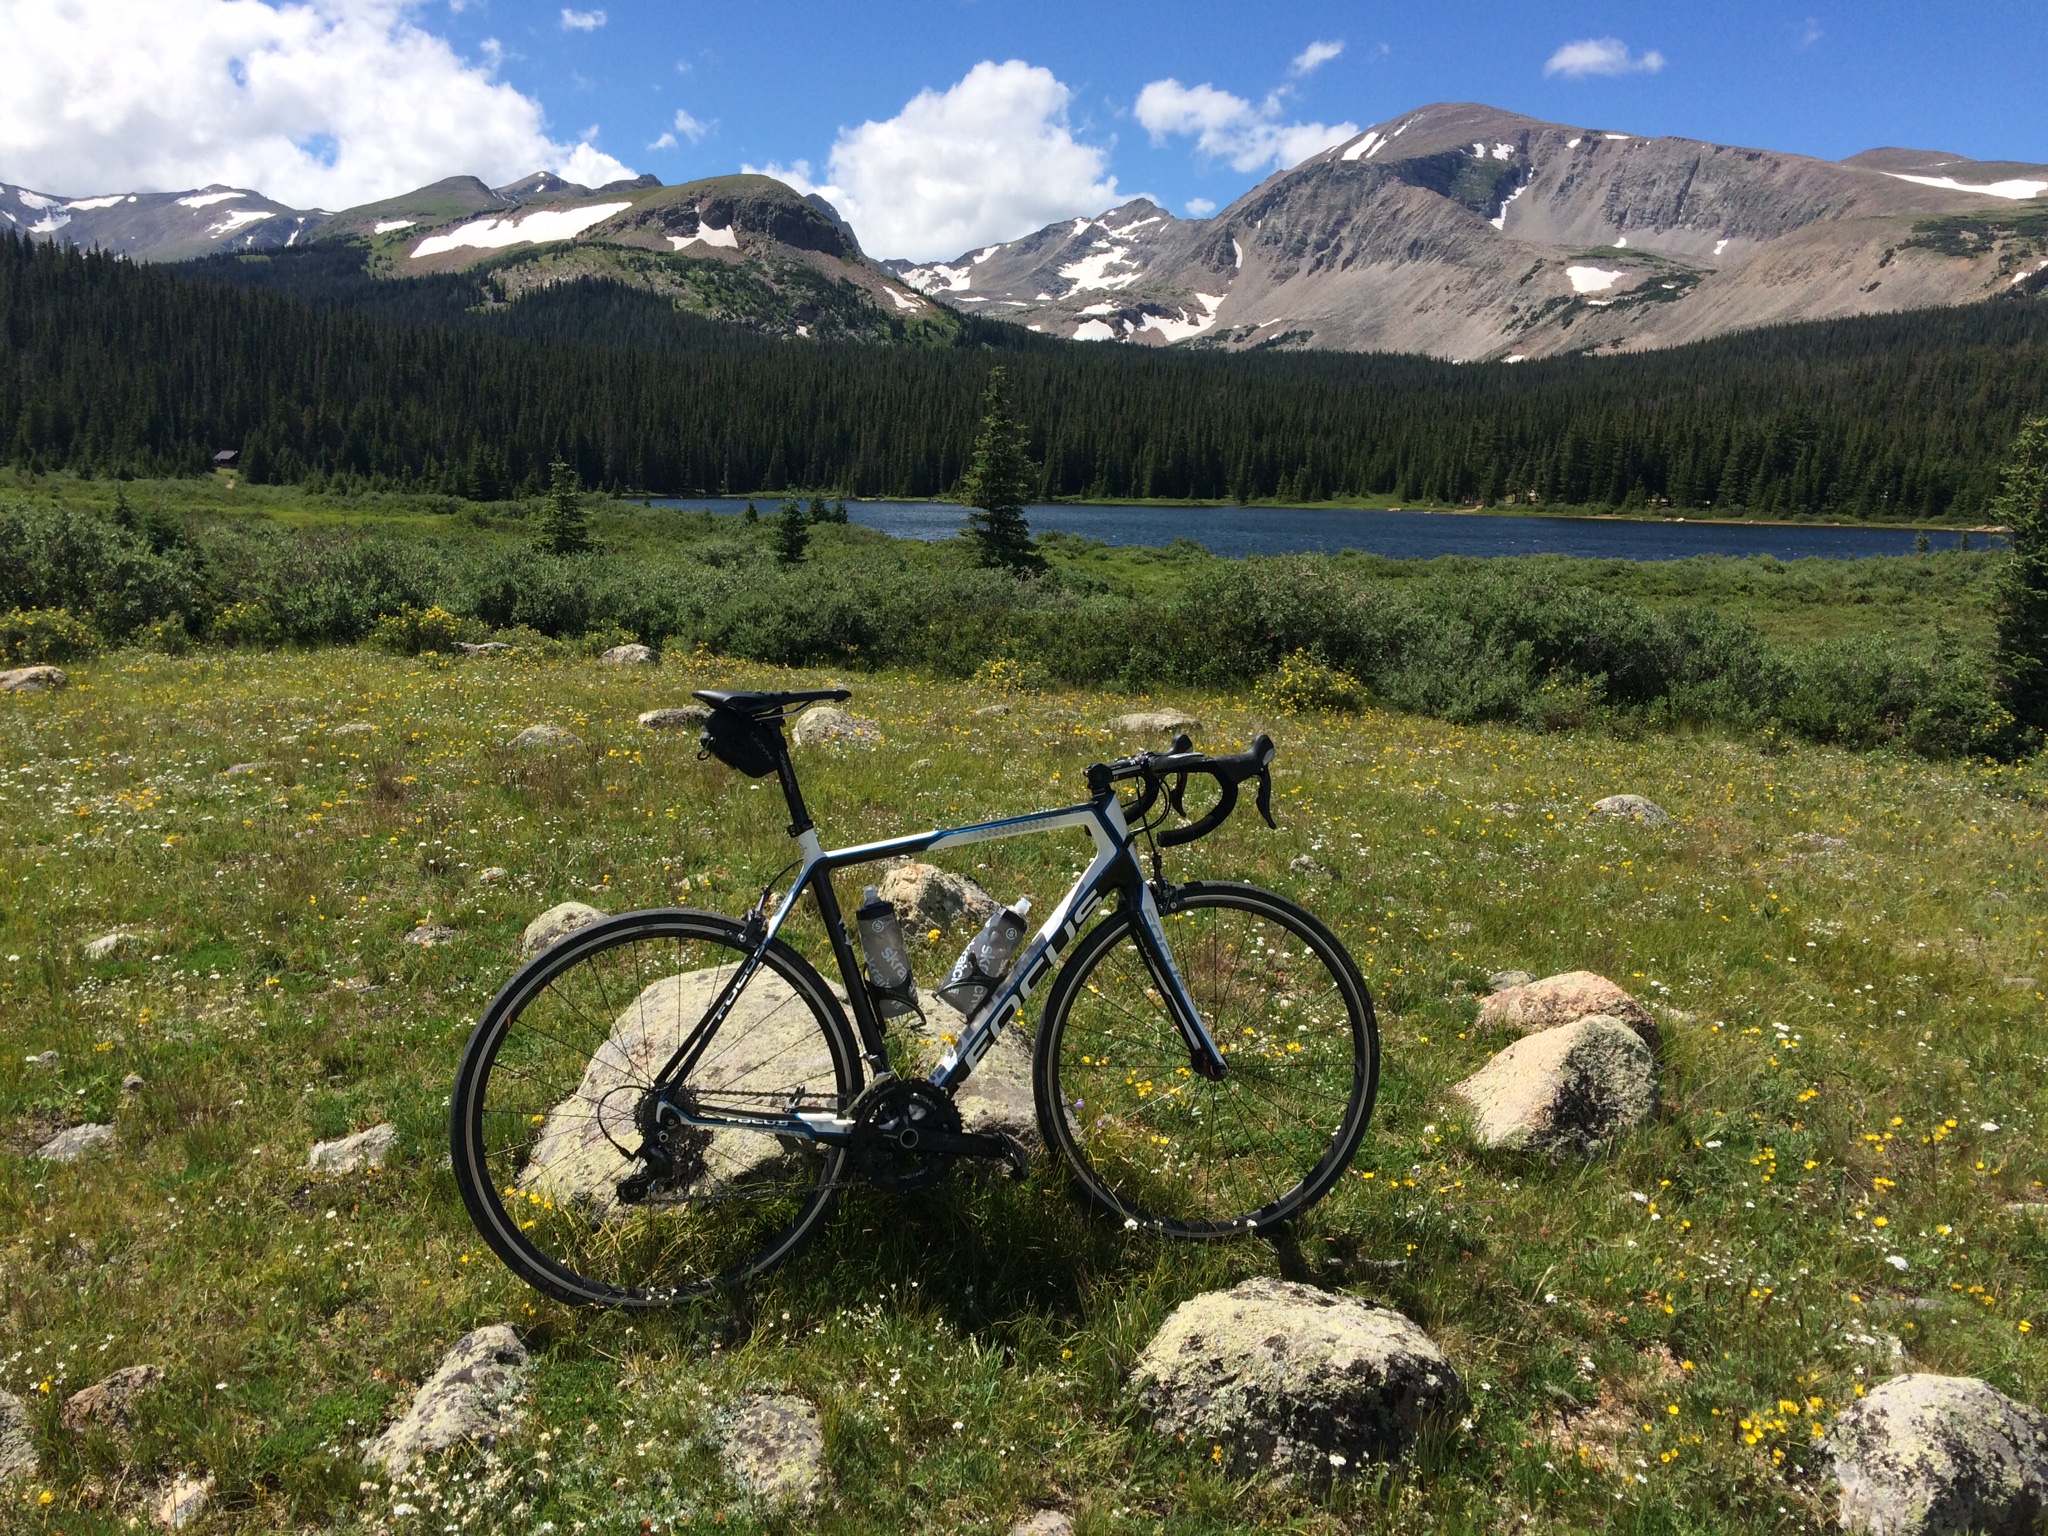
pixel 666 1103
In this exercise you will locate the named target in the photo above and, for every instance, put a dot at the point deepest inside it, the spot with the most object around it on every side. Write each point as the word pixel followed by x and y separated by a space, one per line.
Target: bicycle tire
pixel 550 1077
pixel 1157 1145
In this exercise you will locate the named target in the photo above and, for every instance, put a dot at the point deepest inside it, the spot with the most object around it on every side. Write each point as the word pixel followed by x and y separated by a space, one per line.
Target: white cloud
pixel 666 141
pixel 1811 33
pixel 1232 129
pixel 990 159
pixel 1199 207
pixel 1314 57
pixel 326 103
pixel 689 127
pixel 1601 56
pixel 582 21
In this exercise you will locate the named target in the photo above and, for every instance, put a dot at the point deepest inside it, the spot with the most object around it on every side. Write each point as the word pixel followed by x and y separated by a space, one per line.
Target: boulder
pixel 485 647
pixel 825 725
pixel 182 1502
pixel 1311 867
pixel 427 935
pixel 1565 999
pixel 108 1402
pixel 554 925
pixel 34 680
pixel 353 1154
pixel 108 945
pixel 237 770
pixel 1289 1378
pixel 634 655
pixel 70 1145
pixel 18 1456
pixel 132 1083
pixel 990 711
pixel 1154 722
pixel 769 1043
pixel 545 736
pixel 1630 808
pixel 353 728
pixel 774 1449
pixel 927 897
pixel 469 1397
pixel 492 875
pixel 1500 981
pixel 1569 1089
pixel 997 1095
pixel 689 718
pixel 1047 1522
pixel 1927 1455
pixel 41 1059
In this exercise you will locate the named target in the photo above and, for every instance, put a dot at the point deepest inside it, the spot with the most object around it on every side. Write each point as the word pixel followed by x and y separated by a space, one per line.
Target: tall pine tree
pixel 792 533
pixel 564 526
pixel 997 481
pixel 2020 652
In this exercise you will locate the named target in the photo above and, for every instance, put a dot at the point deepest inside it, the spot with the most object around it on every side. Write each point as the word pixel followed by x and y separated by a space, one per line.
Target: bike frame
pixel 1114 868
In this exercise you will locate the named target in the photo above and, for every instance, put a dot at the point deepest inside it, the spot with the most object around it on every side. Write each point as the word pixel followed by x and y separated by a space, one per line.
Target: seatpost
pixel 799 818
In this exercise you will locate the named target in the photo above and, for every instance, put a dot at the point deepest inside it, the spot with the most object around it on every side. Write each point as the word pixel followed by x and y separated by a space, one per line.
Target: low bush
pixel 29 636
pixel 411 630
pixel 1304 684
pixel 246 624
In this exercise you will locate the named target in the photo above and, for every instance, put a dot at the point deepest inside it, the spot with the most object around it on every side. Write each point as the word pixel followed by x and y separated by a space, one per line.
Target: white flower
pixel 1897 1261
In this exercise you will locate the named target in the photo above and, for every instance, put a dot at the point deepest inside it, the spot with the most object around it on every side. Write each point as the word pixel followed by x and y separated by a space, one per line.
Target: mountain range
pixel 1457 230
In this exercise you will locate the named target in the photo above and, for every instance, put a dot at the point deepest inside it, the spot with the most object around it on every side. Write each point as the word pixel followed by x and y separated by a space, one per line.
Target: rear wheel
pixel 1154 1142
pixel 544 1117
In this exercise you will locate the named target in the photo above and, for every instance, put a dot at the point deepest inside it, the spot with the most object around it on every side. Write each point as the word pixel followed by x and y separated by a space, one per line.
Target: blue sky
pixel 1015 113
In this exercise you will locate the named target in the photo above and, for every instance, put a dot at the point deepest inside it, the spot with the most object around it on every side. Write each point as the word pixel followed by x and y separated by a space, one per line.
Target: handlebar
pixel 1180 760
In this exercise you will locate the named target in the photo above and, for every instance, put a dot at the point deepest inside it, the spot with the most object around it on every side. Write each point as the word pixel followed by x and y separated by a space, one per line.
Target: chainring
pixel 888 1118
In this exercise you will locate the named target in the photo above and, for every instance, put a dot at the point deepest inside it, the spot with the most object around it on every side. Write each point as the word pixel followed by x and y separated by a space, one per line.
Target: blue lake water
pixel 1399 535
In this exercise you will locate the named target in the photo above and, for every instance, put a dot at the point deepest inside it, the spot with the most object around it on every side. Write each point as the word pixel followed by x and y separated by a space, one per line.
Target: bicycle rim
pixel 543 1118
pixel 1157 1144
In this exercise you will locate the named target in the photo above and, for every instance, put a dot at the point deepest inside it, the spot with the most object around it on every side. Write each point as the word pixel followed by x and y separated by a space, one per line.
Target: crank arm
pixel 1006 1149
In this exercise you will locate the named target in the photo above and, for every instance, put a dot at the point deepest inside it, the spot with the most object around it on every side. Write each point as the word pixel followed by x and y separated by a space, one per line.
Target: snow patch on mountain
pixel 1095 330
pixel 385 226
pixel 235 219
pixel 533 228
pixel 1183 328
pixel 208 199
pixel 940 278
pixel 725 239
pixel 1592 279
pixel 2015 191
pixel 88 204
pixel 1092 270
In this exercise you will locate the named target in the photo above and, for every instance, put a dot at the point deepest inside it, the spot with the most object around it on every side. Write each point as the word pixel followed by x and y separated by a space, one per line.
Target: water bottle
pixel 986 960
pixel 888 957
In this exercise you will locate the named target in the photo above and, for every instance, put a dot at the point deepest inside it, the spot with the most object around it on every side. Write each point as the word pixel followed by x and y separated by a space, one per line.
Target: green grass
pixel 1839 1025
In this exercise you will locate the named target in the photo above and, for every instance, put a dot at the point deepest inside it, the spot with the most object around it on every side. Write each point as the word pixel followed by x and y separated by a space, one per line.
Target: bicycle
pixel 665 1103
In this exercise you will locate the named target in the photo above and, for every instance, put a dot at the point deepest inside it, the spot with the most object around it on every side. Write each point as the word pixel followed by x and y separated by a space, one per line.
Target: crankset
pixel 906 1134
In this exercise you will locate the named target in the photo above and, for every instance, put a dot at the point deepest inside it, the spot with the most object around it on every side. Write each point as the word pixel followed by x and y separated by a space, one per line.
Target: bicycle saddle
pixel 756 705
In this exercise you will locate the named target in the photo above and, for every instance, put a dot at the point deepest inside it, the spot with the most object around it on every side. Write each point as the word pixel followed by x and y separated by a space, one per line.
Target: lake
pixel 1400 535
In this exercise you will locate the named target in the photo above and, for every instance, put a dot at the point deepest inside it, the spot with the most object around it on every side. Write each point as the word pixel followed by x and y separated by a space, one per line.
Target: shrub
pixel 411 630
pixel 32 635
pixel 246 624
pixel 166 636
pixel 1303 685
pixel 597 641
pixel 1006 674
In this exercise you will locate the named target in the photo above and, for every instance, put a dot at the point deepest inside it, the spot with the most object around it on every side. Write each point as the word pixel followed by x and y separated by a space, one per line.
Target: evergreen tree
pixel 998 479
pixel 564 526
pixel 752 514
pixel 817 512
pixel 839 510
pixel 792 534
pixel 2020 651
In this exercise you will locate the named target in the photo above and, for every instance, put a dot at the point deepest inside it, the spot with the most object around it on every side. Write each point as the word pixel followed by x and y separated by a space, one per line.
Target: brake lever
pixel 1265 800
pixel 1181 742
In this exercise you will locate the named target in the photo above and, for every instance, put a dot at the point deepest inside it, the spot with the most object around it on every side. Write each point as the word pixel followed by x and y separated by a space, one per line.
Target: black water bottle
pixel 888 956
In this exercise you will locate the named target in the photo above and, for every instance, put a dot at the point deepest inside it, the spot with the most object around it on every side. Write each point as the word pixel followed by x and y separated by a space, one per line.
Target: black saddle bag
pixel 751 746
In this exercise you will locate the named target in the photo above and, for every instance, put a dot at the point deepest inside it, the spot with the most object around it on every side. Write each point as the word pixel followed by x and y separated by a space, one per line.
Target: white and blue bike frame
pixel 1113 869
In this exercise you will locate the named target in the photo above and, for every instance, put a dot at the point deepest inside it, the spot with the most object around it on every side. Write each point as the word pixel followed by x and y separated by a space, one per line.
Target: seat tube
pixel 1203 1056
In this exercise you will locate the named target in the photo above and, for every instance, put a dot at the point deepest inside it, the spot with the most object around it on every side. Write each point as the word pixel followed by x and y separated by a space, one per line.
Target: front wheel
pixel 1157 1144
pixel 544 1126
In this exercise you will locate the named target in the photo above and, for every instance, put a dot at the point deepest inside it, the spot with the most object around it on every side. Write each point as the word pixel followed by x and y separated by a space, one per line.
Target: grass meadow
pixel 1846 952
